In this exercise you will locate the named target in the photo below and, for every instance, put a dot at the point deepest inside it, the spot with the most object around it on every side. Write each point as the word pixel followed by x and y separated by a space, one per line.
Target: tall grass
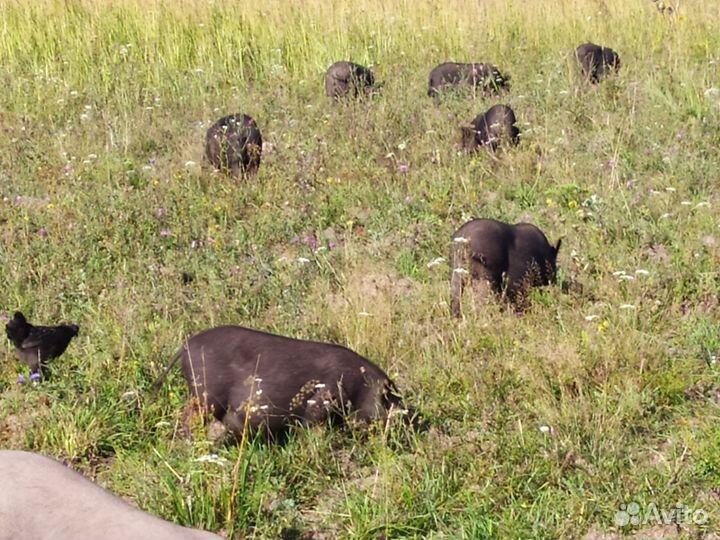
pixel 542 425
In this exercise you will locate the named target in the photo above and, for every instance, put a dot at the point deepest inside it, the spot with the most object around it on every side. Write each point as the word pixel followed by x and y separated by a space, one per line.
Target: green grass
pixel 103 110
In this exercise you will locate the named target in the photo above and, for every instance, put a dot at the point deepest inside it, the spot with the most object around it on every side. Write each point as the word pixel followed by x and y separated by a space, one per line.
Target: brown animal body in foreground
pixel 42 499
pixel 233 145
pixel 264 381
pixel 509 258
pixel 344 79
pixel 489 128
pixel 36 345
pixel 452 75
pixel 597 61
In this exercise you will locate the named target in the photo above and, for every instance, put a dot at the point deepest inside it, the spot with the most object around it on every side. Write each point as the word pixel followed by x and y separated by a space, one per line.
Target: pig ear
pixel 557 246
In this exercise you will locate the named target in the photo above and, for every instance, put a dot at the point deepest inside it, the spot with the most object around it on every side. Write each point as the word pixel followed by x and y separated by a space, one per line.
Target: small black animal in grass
pixel 510 259
pixel 233 145
pixel 486 77
pixel 597 61
pixel 36 345
pixel 490 128
pixel 248 378
pixel 344 79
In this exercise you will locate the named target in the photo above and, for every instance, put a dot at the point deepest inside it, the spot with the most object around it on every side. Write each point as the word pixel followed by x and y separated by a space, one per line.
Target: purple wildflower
pixel 42 231
pixel 311 241
pixel 20 379
pixel 164 233
pixel 403 168
pixel 35 377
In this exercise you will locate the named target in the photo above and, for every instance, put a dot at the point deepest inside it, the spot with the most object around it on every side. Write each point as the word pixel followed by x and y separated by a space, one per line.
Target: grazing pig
pixel 452 75
pixel 42 499
pixel 596 61
pixel 35 345
pixel 489 128
pixel 496 252
pixel 348 79
pixel 233 145
pixel 250 378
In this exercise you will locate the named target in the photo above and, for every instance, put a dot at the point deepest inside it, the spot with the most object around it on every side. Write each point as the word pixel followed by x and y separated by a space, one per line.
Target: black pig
pixel 489 128
pixel 233 145
pixel 452 75
pixel 597 61
pixel 250 378
pixel 509 258
pixel 348 79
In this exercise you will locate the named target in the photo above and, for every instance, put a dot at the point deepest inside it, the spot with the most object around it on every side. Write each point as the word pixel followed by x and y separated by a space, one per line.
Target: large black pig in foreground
pixel 450 75
pixel 508 258
pixel 233 145
pixel 42 499
pixel 248 378
pixel 597 61
pixel 348 79
pixel 489 128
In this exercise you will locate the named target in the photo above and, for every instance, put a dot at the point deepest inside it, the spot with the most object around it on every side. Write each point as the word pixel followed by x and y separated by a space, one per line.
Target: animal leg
pixel 459 262
pixel 193 409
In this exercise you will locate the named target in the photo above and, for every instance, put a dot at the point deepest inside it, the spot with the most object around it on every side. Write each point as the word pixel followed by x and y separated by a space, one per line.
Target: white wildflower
pixel 212 458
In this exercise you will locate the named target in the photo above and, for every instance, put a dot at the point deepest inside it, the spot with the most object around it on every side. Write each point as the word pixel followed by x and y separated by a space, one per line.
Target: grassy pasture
pixel 542 425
